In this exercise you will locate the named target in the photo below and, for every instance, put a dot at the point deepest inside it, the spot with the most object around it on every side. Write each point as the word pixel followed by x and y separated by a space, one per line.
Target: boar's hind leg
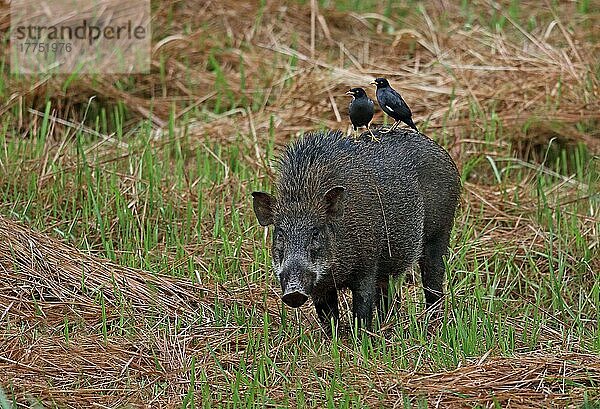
pixel 432 267
pixel 327 308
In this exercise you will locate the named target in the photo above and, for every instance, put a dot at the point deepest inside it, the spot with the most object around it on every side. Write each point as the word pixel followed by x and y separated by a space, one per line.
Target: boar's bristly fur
pixel 349 214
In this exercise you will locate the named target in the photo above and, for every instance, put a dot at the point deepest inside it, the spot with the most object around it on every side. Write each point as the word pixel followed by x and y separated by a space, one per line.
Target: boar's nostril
pixel 294 299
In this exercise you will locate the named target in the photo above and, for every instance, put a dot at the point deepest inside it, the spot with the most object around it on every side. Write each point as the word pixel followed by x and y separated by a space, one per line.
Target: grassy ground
pixel 133 271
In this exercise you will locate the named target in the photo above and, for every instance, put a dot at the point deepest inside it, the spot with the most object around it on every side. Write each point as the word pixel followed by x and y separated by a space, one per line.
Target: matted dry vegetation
pixel 45 282
pixel 441 68
pixel 537 87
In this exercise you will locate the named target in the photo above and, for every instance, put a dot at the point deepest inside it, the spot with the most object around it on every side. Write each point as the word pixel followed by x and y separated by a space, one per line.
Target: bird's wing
pixel 394 102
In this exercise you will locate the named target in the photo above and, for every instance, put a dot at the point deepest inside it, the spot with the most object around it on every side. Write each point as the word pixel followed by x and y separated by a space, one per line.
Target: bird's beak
pixel 373 82
pixel 350 93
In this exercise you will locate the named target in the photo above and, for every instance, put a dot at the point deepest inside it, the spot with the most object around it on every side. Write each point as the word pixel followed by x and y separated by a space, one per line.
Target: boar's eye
pixel 279 238
pixel 315 240
pixel 279 242
pixel 315 234
pixel 316 244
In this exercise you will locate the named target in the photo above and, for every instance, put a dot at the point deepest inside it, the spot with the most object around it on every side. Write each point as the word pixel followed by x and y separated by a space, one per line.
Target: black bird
pixel 392 104
pixel 361 109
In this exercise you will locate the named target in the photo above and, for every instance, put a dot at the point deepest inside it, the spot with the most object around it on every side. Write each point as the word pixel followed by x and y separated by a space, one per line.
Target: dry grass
pixel 437 63
pixel 79 330
pixel 45 283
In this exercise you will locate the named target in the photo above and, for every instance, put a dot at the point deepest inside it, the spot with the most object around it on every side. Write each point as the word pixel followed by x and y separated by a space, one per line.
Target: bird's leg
pixel 384 130
pixel 395 126
pixel 350 131
pixel 373 137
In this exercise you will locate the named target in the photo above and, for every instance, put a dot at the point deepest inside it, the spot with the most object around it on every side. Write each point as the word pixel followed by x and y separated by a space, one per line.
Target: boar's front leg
pixel 327 308
pixel 363 298
pixel 382 298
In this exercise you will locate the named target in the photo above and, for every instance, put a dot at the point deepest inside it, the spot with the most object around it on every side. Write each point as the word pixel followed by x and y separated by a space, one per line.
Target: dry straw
pixel 44 282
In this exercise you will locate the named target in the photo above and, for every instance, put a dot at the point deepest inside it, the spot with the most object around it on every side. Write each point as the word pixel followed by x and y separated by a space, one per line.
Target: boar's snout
pixel 296 282
pixel 294 298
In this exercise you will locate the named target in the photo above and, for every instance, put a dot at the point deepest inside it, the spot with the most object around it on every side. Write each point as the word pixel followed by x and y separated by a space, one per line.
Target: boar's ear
pixel 334 202
pixel 263 204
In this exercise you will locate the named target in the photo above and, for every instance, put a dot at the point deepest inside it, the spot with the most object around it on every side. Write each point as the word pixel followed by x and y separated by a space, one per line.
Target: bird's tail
pixel 412 124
